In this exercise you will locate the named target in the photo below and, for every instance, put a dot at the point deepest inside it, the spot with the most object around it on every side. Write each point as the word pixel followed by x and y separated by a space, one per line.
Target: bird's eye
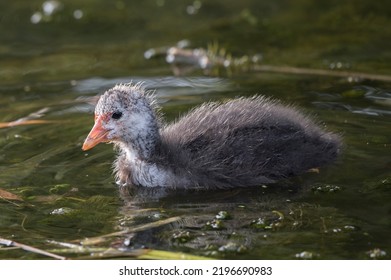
pixel 116 115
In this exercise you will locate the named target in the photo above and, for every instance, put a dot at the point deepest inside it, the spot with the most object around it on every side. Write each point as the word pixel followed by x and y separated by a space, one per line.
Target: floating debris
pixel 336 230
pixel 182 237
pixel 259 224
pixel 210 60
pixel 61 211
pixel 4 194
pixel 268 223
pixel 306 255
pixel 30 119
pixel 213 59
pixel 165 255
pixel 325 188
pixel 351 228
pixel 28 248
pixel 223 215
pixel 60 189
pixel 376 253
pixel 214 224
pixel 93 240
pixel 157 216
pixel 232 247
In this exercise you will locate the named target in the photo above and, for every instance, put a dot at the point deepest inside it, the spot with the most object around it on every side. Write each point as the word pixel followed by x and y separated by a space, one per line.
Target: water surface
pixel 54 68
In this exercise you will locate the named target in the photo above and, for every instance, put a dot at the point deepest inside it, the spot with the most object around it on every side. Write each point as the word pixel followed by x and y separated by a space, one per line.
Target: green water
pixel 56 64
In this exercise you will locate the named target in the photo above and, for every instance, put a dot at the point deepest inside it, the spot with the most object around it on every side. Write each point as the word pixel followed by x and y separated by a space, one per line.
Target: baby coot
pixel 239 143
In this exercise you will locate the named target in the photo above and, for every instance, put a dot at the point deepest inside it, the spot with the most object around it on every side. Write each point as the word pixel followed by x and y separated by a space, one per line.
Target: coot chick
pixel 239 143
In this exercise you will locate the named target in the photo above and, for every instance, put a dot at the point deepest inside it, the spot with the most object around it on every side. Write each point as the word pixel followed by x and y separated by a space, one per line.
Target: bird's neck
pixel 143 144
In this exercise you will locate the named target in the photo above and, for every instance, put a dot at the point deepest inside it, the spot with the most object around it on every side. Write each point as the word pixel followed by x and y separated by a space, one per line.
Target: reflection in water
pixel 247 222
pixel 209 221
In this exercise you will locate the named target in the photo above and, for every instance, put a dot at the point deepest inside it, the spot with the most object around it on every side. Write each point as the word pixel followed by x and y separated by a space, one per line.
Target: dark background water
pixel 54 62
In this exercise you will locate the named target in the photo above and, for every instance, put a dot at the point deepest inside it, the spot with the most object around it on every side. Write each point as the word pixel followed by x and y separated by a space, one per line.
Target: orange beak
pixel 97 134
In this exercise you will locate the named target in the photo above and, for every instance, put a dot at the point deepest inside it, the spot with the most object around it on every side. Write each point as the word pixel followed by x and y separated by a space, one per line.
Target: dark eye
pixel 116 115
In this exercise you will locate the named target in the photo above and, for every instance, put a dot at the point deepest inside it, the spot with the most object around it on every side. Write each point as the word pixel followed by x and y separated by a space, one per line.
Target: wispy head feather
pixel 128 96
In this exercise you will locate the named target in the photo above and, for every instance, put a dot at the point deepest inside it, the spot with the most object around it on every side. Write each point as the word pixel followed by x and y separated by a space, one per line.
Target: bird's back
pixel 246 142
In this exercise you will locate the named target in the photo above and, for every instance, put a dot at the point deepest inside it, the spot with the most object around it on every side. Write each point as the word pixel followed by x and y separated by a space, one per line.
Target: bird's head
pixel 124 114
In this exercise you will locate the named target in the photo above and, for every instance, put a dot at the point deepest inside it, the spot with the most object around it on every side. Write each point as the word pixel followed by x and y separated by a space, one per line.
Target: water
pixel 53 67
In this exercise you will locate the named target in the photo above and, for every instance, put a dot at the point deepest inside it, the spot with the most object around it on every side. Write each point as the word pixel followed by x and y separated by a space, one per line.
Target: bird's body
pixel 239 143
